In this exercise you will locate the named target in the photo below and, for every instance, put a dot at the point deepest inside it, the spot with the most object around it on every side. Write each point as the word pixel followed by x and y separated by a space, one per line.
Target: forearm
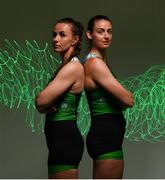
pixel 122 94
pixel 41 109
pixel 126 99
pixel 43 104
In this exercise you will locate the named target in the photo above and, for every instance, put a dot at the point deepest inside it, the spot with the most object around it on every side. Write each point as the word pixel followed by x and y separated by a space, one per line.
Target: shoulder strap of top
pixel 91 55
pixel 75 59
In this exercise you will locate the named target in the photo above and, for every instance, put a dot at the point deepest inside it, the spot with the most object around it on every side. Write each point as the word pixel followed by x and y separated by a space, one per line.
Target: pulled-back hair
pixel 91 22
pixel 77 30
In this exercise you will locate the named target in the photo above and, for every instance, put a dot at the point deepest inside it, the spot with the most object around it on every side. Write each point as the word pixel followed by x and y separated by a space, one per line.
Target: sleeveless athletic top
pixel 66 106
pixel 100 101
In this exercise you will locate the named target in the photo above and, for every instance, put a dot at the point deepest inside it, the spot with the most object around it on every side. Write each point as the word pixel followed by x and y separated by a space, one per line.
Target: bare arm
pixel 103 76
pixel 61 83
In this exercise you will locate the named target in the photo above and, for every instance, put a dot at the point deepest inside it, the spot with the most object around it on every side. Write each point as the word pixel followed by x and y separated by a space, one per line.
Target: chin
pixel 57 50
pixel 104 46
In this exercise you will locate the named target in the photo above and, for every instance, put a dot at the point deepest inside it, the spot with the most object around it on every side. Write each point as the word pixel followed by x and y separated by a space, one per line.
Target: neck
pixel 66 56
pixel 101 53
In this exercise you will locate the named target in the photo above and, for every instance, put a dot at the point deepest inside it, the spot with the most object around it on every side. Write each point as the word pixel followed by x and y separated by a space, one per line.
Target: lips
pixel 56 45
pixel 106 42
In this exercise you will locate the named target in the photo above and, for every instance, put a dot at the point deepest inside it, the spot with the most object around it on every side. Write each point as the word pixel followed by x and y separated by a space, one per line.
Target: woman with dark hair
pixel 106 98
pixel 59 100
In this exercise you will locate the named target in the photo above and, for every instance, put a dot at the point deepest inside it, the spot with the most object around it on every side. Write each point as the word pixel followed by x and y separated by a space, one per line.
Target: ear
pixel 75 40
pixel 88 34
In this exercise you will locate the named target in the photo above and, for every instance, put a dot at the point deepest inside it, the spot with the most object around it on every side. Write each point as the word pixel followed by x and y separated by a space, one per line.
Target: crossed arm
pixel 63 81
pixel 103 76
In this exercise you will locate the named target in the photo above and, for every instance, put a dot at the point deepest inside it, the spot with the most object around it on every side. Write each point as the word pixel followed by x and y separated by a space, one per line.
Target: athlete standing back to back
pixel 107 98
pixel 60 99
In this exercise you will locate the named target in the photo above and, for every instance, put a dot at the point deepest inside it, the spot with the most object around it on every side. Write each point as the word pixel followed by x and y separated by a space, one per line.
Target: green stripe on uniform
pixel 60 168
pixel 111 155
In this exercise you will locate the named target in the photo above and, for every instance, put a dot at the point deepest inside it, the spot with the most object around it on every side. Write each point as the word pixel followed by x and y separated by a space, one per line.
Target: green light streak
pixel 146 120
pixel 26 69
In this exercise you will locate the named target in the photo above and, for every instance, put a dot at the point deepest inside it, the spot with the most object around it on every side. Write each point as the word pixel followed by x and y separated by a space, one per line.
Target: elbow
pixel 40 104
pixel 130 101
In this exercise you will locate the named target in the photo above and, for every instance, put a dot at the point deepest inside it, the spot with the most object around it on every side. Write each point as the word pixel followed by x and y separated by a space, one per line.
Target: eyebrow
pixel 54 32
pixel 103 29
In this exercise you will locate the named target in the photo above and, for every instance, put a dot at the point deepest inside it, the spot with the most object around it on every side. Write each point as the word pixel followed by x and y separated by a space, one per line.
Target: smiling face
pixel 101 36
pixel 63 38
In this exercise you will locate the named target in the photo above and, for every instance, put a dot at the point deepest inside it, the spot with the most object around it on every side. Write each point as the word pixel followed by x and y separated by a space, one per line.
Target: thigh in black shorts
pixel 64 141
pixel 106 134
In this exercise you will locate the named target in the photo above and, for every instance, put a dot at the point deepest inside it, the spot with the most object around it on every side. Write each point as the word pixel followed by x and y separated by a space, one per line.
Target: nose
pixel 56 38
pixel 106 35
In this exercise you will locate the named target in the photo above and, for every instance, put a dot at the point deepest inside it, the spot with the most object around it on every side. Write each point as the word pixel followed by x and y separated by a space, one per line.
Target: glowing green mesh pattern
pixel 146 120
pixel 83 117
pixel 24 71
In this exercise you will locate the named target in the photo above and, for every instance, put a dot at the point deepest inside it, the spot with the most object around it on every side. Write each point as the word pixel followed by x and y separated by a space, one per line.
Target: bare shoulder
pixel 96 65
pixel 72 68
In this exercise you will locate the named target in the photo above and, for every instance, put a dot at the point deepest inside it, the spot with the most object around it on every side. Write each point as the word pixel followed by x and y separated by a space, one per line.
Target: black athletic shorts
pixel 64 141
pixel 106 134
